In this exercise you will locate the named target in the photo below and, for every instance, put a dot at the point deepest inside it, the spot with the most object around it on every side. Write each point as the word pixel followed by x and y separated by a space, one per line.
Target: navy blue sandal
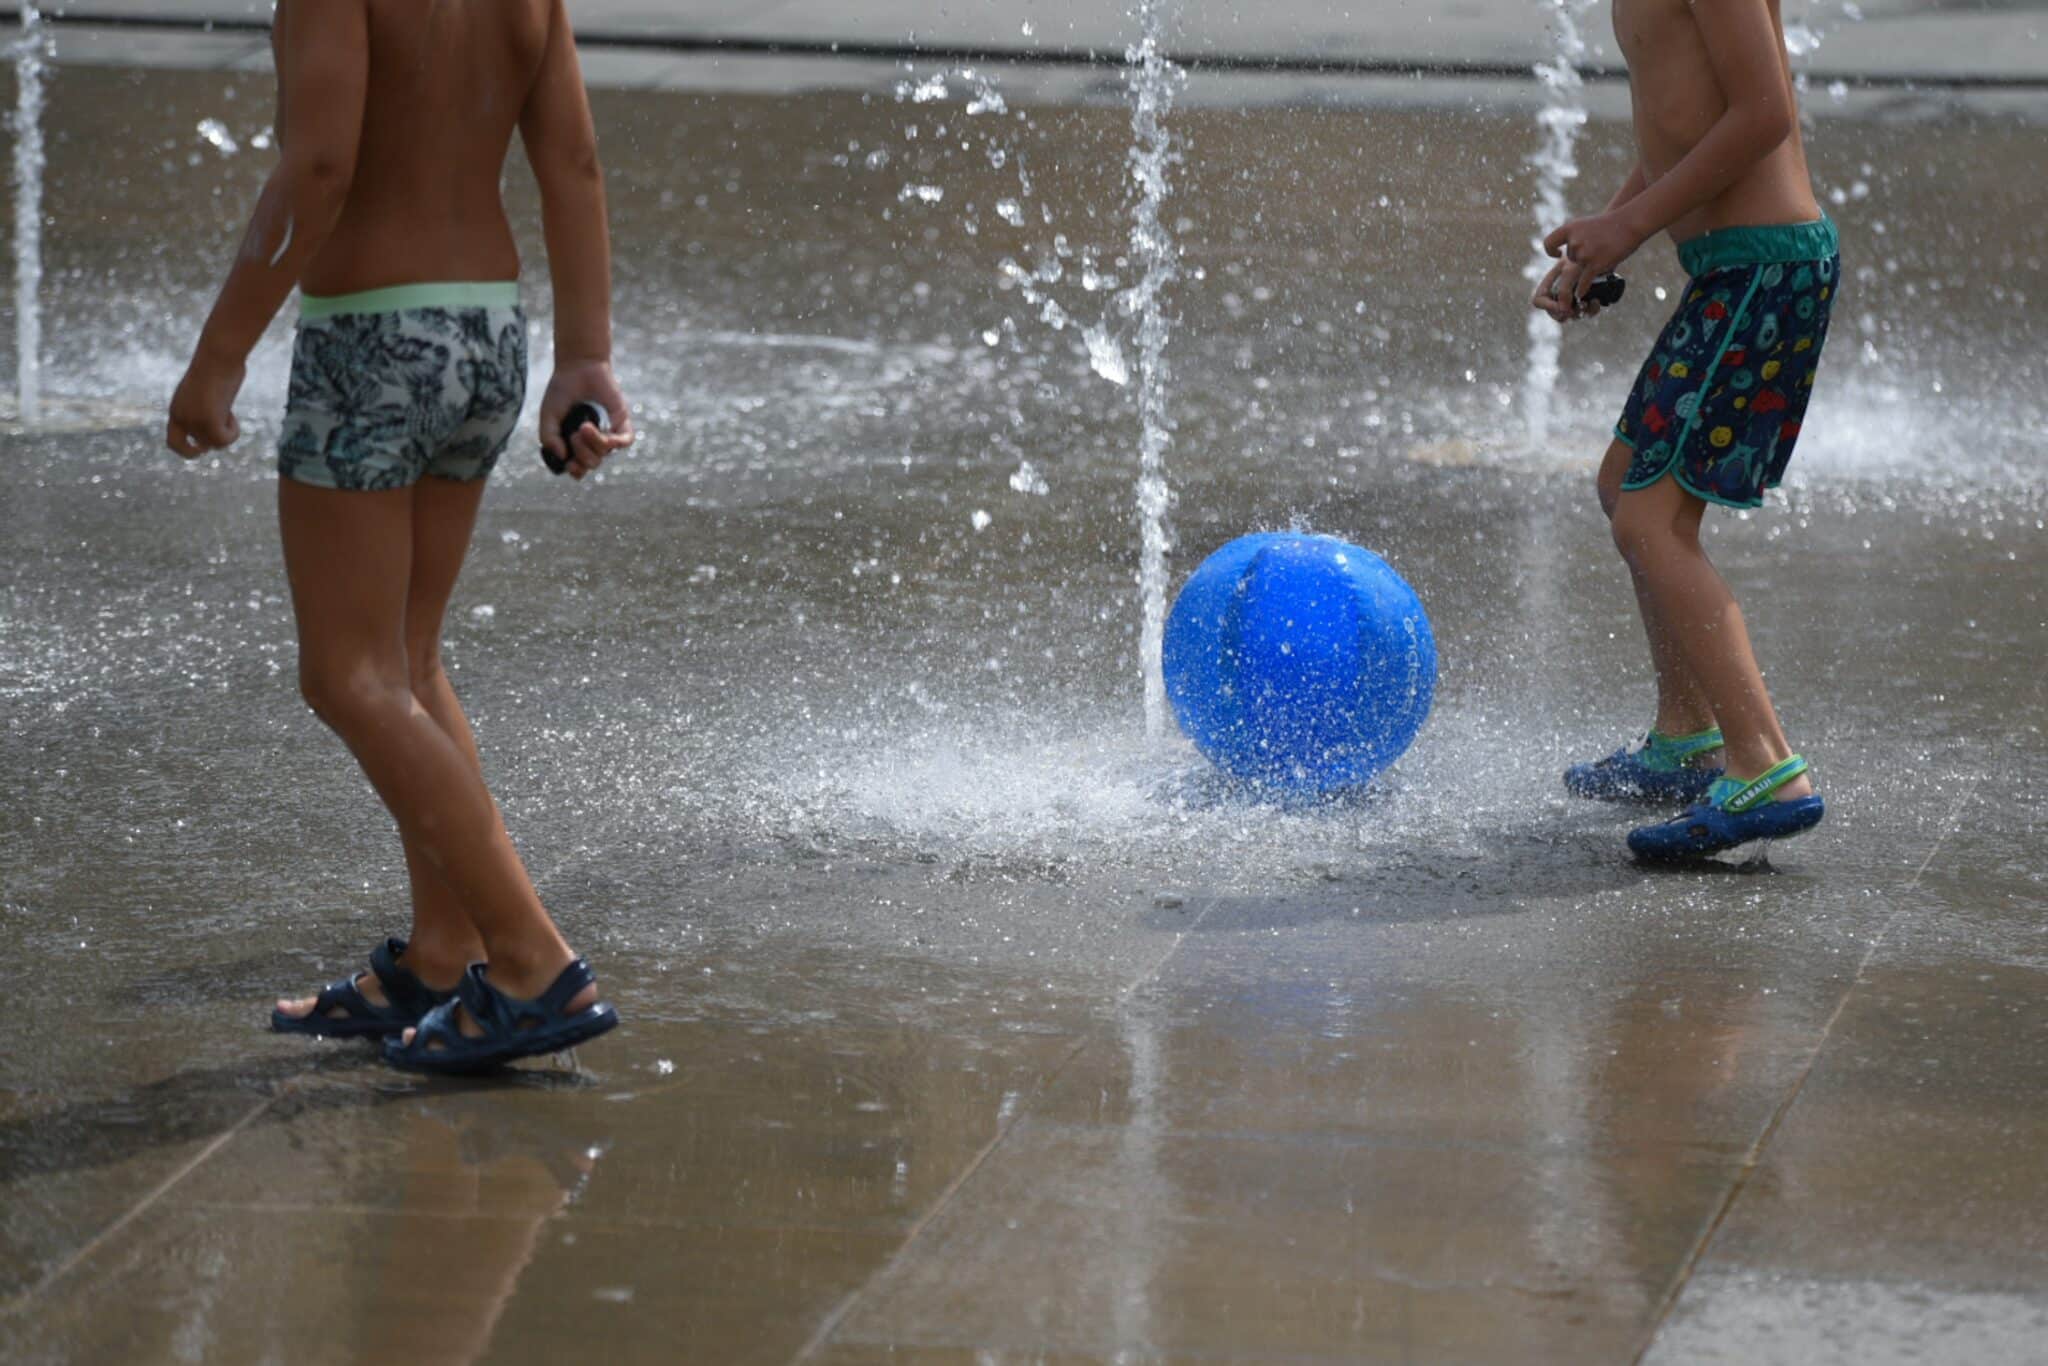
pixel 1735 813
pixel 512 1028
pixel 407 997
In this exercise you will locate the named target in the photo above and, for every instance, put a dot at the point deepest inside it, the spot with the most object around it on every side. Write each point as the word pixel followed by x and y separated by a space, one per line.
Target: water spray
pixel 1152 81
pixel 1556 164
pixel 31 55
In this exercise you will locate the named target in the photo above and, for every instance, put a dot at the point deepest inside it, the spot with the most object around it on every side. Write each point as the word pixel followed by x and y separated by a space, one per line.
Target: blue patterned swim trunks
pixel 392 385
pixel 1719 402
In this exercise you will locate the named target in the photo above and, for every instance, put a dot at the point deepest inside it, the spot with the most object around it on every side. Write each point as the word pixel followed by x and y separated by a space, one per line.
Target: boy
pixel 394 120
pixel 1713 415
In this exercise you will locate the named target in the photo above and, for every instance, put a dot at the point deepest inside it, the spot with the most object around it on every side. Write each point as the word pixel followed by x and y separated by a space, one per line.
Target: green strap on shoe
pixel 1669 753
pixel 1738 795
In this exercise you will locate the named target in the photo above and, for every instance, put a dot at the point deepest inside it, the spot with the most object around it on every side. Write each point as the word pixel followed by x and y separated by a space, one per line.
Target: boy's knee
pixel 346 695
pixel 1643 529
pixel 1635 532
pixel 423 672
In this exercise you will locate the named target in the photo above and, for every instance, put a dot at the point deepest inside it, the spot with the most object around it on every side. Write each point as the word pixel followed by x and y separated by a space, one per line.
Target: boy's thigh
pixel 348 557
pixel 1664 508
pixel 1613 468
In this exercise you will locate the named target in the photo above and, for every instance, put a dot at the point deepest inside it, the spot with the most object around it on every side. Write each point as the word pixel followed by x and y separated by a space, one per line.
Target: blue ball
pixel 1300 663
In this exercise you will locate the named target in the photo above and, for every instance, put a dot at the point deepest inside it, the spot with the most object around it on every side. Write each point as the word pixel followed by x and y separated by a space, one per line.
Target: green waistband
pixel 1760 246
pixel 483 294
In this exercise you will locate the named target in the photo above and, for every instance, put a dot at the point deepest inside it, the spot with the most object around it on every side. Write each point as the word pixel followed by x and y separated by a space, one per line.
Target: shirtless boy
pixel 1713 415
pixel 394 121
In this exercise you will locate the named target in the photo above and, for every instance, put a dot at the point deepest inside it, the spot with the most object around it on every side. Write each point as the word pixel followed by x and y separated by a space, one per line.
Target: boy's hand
pixel 1553 296
pixel 1589 248
pixel 584 382
pixel 203 408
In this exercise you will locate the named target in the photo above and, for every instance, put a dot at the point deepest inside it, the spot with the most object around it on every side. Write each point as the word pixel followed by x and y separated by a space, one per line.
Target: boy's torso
pixel 1676 100
pixel 448 80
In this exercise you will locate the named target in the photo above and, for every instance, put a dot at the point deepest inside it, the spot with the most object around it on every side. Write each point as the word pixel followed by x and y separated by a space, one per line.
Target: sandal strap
pixel 1739 795
pixel 345 994
pixel 437 1026
pixel 402 986
pixel 498 1014
pixel 1674 750
pixel 572 979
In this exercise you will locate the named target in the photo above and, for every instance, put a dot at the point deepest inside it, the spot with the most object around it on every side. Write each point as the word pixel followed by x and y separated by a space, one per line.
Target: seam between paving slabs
pixel 23 1299
pixel 1754 1157
pixel 829 1325
pixel 64 1268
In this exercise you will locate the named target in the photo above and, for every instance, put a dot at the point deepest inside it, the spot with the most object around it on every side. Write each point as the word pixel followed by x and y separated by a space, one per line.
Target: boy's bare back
pixel 449 82
pixel 1677 99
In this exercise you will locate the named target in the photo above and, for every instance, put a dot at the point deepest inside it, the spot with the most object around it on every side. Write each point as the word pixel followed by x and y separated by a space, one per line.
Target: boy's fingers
pixel 1570 282
pixel 1554 243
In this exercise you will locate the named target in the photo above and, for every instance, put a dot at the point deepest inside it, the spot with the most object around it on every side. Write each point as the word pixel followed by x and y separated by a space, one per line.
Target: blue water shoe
pixel 1735 812
pixel 1658 769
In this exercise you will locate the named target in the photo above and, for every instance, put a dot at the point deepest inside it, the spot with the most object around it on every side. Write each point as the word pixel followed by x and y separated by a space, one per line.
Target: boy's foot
pixel 484 1028
pixel 1661 768
pixel 1735 812
pixel 386 999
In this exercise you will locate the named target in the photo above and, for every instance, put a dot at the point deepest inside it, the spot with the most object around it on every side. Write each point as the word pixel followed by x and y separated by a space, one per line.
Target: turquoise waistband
pixel 1760 246
pixel 479 294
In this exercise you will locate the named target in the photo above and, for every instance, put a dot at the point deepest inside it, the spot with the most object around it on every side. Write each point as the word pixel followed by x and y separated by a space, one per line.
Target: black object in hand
pixel 1605 290
pixel 579 416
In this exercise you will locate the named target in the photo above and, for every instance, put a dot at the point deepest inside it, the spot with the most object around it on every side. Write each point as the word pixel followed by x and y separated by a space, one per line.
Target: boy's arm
pixel 322 53
pixel 1630 188
pixel 561 146
pixel 1743 50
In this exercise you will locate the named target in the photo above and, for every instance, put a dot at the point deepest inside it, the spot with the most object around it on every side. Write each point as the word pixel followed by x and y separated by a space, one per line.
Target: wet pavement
pixel 961 1024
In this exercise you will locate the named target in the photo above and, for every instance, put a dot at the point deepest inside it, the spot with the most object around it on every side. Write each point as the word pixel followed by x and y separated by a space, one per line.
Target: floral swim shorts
pixel 1719 402
pixel 395 384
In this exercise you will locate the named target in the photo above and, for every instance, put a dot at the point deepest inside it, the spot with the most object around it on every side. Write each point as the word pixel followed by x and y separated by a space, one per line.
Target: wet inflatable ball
pixel 1297 662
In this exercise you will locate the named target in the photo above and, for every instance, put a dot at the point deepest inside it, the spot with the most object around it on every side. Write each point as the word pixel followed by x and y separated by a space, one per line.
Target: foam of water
pixel 1052 785
pixel 31 55
pixel 1152 81
pixel 1556 164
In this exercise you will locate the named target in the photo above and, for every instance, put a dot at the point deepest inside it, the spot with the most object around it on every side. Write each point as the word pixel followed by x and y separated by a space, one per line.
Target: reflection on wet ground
pixel 961 1026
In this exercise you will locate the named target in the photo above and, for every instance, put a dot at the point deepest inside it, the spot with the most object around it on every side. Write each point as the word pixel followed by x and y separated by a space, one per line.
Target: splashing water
pixel 30 57
pixel 1556 164
pixel 1152 81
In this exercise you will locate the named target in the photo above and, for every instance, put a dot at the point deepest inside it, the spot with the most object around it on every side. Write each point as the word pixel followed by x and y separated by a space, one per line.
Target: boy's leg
pixel 444 939
pixel 1682 706
pixel 1657 531
pixel 349 557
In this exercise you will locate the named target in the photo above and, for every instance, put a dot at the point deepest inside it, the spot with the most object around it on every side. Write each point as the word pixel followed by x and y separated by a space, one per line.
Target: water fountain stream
pixel 1152 80
pixel 30 57
pixel 1556 164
